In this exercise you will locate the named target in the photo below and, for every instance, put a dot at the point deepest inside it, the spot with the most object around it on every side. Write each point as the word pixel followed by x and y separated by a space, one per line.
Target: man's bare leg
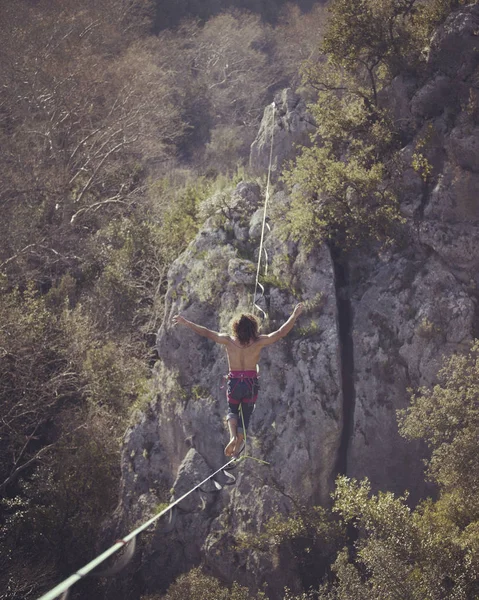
pixel 233 429
pixel 239 443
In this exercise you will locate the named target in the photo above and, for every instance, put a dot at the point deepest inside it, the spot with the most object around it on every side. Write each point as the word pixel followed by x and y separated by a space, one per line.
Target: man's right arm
pixel 219 338
pixel 283 331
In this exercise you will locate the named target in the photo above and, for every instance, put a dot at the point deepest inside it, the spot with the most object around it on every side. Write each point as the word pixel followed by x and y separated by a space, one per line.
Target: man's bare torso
pixel 243 358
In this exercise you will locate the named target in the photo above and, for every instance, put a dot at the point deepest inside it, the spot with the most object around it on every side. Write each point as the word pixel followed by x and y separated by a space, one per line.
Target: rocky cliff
pixel 374 327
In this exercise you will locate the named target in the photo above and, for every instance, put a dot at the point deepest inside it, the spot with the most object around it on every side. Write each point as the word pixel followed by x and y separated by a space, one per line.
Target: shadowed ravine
pixel 341 277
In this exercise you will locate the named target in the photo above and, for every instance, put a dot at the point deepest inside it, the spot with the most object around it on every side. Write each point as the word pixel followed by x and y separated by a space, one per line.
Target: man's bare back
pixel 243 358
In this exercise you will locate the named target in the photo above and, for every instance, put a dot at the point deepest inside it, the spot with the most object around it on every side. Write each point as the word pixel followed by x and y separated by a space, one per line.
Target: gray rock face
pixel 291 125
pixel 415 307
pixel 432 98
pixel 412 313
pixel 331 389
pixel 398 101
pixel 455 45
pixel 297 424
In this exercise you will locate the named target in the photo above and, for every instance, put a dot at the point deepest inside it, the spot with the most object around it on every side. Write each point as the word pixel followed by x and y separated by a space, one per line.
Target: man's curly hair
pixel 245 329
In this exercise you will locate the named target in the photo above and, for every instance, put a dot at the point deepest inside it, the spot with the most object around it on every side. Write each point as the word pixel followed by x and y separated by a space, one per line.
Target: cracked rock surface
pixel 386 323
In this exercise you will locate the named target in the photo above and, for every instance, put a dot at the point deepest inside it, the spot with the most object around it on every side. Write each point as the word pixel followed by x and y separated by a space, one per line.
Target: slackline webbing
pixel 67 584
pixel 261 249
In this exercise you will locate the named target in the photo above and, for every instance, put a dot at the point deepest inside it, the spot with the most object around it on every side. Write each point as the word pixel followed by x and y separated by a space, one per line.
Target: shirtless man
pixel 243 348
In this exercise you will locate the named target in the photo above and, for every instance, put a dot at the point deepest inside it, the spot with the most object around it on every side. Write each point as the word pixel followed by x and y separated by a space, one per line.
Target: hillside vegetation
pixel 111 136
pixel 117 119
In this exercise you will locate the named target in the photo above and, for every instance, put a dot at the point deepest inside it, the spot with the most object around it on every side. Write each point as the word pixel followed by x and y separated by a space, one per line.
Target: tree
pixel 447 417
pixel 431 551
pixel 198 586
pixel 344 184
pixel 312 535
pixel 76 121
pixel 224 75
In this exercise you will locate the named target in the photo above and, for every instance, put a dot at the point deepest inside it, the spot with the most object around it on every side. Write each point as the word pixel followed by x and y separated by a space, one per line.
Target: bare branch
pixel 96 205
pixel 16 472
pixel 19 253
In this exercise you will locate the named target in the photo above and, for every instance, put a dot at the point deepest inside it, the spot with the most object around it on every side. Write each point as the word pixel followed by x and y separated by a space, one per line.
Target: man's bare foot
pixel 230 448
pixel 238 444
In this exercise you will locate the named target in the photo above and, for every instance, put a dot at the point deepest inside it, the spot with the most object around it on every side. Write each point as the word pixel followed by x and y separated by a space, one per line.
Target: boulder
pixel 454 48
pixel 431 99
pixel 288 124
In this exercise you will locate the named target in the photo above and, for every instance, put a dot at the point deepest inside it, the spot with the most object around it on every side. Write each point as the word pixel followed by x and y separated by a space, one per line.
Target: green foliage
pixel 400 553
pixel 175 205
pixel 195 585
pixel 382 37
pixel 420 162
pixel 341 200
pixel 123 273
pixel 226 144
pixel 340 189
pixel 35 377
pixel 427 329
pixel 431 551
pixel 447 417
pixel 343 185
pixel 421 165
pixel 60 504
pixel 374 36
pixel 270 279
pixel 312 534
pixel 312 328
pixel 313 526
pixel 179 224
pixel 63 393
pixel 113 378
pixel 92 105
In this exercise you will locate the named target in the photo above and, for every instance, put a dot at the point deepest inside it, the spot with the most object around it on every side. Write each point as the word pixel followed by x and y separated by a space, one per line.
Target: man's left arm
pixel 219 338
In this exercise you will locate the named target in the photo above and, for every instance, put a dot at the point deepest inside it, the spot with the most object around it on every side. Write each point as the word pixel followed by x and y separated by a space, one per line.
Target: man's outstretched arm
pixel 283 331
pixel 219 338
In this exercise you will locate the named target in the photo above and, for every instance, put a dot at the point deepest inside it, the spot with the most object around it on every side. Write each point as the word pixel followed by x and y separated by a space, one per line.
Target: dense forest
pixel 117 120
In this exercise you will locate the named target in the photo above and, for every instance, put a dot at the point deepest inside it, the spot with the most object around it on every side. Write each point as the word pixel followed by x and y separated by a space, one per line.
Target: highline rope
pixel 262 250
pixel 67 584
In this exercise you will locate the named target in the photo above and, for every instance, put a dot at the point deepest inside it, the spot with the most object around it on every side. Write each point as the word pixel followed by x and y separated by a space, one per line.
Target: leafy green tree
pixel 341 188
pixel 196 585
pixel 431 551
pixel 313 536
pixel 344 189
pixel 447 418
pixel 377 40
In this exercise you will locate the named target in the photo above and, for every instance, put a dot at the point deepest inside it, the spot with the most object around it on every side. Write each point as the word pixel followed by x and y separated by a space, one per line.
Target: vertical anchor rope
pixel 262 250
